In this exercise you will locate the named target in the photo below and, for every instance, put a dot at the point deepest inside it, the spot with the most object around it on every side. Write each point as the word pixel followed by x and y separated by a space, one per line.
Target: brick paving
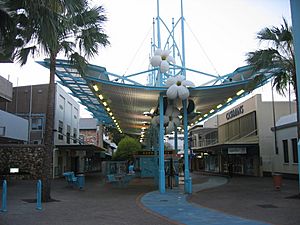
pixel 97 204
pixel 253 200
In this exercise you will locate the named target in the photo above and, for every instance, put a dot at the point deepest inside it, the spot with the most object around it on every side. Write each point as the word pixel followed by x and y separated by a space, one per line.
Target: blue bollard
pixel 188 186
pixel 80 181
pixel 4 196
pixel 39 195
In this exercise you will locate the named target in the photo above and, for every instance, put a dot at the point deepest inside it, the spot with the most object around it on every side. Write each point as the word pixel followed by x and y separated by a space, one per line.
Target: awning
pixel 219 147
pixel 125 105
pixel 80 148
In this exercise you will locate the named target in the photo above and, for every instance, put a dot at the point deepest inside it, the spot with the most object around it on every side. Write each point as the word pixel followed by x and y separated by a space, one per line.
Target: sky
pixel 218 34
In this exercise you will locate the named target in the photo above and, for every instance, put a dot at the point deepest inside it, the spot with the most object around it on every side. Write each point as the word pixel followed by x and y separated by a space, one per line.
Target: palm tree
pixel 277 58
pixel 9 39
pixel 51 27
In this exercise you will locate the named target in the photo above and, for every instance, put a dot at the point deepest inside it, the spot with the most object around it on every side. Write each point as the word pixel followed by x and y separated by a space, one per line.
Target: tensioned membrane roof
pixel 126 105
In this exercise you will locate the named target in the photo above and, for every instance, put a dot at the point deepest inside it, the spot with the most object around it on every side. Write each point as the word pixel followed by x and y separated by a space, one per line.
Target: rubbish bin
pixel 80 180
pixel 277 181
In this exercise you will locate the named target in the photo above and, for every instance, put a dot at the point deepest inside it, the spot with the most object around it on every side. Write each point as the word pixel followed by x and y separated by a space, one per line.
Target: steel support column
pixel 162 186
pixel 187 178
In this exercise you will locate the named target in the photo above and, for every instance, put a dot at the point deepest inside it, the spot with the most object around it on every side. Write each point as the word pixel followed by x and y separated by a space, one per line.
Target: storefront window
pixel 295 150
pixel 285 151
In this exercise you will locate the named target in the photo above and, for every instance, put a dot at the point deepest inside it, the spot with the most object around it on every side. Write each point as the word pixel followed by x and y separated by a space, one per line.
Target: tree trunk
pixel 48 138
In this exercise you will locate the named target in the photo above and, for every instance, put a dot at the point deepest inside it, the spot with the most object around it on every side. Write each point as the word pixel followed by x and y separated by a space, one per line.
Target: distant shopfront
pixel 245 143
pixel 232 159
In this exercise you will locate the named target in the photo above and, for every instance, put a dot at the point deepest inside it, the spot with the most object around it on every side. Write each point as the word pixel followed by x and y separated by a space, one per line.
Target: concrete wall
pixel 67 111
pixel 279 164
pixel 13 127
pixel 6 89
pixel 266 136
pixel 28 158
pixel 270 161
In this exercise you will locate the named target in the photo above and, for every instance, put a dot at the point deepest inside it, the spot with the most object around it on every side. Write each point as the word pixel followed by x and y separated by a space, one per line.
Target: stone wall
pixel 28 158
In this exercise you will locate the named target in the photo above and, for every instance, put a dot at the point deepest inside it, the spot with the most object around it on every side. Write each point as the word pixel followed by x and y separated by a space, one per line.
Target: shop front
pixel 241 159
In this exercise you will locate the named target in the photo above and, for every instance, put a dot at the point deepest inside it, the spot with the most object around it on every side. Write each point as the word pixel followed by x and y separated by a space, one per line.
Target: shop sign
pixel 232 151
pixel 167 152
pixel 235 112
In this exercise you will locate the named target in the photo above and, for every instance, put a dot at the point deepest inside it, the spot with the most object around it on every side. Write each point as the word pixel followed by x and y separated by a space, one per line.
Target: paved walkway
pixel 174 205
pixel 254 198
pixel 215 200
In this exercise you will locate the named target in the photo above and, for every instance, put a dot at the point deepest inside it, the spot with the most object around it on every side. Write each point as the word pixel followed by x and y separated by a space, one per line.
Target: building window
pixel 75 136
pixel 36 142
pixel 2 131
pixel 36 124
pixel 285 151
pixel 68 134
pixel 242 127
pixel 60 130
pixel 81 139
pixel 295 150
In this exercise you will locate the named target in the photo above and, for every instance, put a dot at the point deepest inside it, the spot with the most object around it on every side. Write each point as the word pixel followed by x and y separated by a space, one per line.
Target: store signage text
pixel 232 151
pixel 235 112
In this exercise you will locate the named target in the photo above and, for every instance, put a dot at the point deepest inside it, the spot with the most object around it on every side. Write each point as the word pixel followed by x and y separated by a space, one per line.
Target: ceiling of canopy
pixel 128 106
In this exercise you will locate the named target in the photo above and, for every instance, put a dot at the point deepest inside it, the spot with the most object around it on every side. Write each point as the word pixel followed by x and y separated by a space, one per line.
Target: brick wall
pixel 28 158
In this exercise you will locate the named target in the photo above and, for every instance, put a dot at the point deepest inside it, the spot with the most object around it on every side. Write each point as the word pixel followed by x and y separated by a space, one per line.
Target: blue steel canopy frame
pixel 120 96
pixel 127 103
pixel 124 103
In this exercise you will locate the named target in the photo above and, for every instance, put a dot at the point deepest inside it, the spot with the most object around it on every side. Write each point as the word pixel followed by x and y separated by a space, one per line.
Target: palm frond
pixel 267 34
pixel 90 40
pixel 262 58
pixel 278 59
pixel 256 81
pixel 22 55
pixel 281 81
pixel 79 62
pixel 67 47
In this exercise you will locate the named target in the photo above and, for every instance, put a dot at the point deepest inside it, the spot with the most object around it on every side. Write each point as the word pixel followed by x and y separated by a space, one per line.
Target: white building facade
pixel 286 161
pixel 66 125
pixel 245 141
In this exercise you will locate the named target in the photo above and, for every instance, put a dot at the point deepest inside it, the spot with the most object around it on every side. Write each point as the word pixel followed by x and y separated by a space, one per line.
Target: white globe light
pixel 172 92
pixel 155 60
pixel 164 66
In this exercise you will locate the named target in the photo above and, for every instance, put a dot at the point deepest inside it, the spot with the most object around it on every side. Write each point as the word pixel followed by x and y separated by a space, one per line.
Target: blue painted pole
pixel 187 179
pixel 176 150
pixel 158 26
pixel 295 12
pixel 175 140
pixel 182 41
pixel 4 196
pixel 162 185
pixel 39 195
pixel 159 74
pixel 173 34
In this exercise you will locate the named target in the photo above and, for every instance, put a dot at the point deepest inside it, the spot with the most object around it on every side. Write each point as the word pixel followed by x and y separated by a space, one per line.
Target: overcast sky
pixel 218 34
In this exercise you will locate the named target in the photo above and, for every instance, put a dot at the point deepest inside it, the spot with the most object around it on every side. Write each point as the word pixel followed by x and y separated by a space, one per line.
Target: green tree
pixel 277 58
pixel 51 27
pixel 126 148
pixel 9 38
